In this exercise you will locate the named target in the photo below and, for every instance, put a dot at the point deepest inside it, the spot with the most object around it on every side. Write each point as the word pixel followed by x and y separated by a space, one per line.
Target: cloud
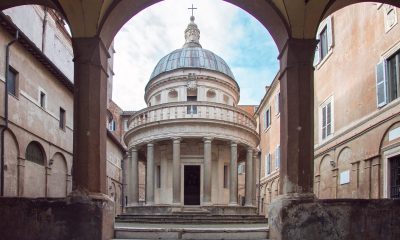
pixel 225 29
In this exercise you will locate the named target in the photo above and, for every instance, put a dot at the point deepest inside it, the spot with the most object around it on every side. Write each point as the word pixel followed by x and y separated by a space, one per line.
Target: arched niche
pixel 57 182
pixel 327 183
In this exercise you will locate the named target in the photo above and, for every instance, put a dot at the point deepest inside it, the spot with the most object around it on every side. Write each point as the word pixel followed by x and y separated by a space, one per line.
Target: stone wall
pixel 341 219
pixel 56 219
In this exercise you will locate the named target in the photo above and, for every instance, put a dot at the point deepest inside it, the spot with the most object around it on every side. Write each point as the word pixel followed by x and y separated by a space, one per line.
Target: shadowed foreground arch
pixel 89 212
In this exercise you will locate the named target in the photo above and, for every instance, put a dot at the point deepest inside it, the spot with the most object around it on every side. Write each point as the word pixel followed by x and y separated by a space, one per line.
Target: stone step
pixel 179 232
pixel 190 219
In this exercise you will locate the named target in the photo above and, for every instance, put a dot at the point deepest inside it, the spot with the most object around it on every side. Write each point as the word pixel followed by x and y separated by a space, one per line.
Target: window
pixel 390 16
pixel 192 97
pixel 277 105
pixel 277 157
pixel 388 80
pixel 12 81
pixel 325 37
pixel 323 44
pixel 327 117
pixel 34 153
pixel 226 176
pixel 62 118
pixel 267 118
pixel 112 125
pixel 268 164
pixel 395 177
pixel 126 127
pixel 158 176
pixel 42 99
pixel 242 168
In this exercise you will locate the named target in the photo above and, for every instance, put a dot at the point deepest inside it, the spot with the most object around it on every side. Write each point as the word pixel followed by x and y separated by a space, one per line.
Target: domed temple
pixel 192 135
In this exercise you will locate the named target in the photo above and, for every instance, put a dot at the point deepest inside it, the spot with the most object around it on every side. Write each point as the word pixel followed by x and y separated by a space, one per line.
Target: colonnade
pixel 133 174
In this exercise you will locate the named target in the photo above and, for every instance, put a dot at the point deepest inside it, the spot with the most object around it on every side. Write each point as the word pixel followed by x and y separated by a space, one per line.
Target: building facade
pixel 192 135
pixel 356 107
pixel 38 123
pixel 357 123
pixel 268 116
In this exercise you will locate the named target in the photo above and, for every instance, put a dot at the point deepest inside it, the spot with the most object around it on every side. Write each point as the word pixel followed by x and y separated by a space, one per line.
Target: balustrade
pixel 192 110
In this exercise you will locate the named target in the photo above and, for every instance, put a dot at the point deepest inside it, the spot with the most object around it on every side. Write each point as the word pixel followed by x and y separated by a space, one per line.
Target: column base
pixel 132 204
pixel 233 204
pixel 207 204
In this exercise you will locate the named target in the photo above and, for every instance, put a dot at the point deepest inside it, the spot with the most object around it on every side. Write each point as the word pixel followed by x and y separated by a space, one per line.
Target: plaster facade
pixel 34 109
pixel 353 159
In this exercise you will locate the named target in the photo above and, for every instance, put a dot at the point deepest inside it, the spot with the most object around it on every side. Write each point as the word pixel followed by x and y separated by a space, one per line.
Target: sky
pixel 225 29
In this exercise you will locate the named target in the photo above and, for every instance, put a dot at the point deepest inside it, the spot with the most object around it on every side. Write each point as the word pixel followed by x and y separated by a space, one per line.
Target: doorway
pixel 191 185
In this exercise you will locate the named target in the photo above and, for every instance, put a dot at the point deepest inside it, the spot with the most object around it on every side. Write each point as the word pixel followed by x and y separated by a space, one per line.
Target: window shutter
pixel 329 29
pixel 265 119
pixel 381 84
pixel 277 103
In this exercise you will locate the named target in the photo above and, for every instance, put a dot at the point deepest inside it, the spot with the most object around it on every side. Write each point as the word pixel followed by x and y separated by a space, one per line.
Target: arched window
pixel 34 153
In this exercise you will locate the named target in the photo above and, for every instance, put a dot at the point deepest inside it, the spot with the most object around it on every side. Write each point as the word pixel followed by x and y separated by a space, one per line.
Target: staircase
pixel 190 224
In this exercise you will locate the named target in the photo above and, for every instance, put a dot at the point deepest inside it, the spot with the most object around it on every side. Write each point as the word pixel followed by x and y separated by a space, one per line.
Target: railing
pixel 192 110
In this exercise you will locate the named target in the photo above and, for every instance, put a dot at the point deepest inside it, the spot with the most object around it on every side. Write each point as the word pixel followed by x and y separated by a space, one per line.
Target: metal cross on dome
pixel 192 8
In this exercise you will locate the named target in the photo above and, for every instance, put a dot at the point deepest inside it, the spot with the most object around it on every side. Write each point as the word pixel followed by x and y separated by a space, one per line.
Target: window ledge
pixel 322 62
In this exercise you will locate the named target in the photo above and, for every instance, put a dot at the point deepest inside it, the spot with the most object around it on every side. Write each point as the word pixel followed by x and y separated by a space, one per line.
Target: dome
pixel 192 57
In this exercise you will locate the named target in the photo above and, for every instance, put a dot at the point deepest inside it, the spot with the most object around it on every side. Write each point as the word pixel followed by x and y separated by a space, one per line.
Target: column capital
pixel 234 144
pixel 150 144
pixel 132 149
pixel 207 139
pixel 176 140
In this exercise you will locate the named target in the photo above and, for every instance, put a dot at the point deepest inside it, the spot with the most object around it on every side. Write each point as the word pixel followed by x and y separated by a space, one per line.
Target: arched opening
pixel 11 159
pixel 35 170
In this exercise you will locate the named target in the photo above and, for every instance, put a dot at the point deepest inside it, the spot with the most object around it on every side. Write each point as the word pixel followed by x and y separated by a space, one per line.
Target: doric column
pixel 133 176
pixel 297 116
pixel 176 171
pixel 150 175
pixel 249 177
pixel 90 101
pixel 233 187
pixel 255 177
pixel 207 171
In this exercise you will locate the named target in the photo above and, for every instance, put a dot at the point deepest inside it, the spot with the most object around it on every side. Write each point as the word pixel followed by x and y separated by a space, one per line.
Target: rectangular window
pixel 267 118
pixel 12 81
pixel 242 168
pixel 326 120
pixel 158 176
pixel 226 173
pixel 112 126
pixel 42 99
pixel 323 44
pixel 325 37
pixel 393 72
pixel 126 127
pixel 268 164
pixel 62 118
pixel 277 157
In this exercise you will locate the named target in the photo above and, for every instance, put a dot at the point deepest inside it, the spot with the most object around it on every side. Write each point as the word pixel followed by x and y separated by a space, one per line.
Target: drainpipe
pixel 5 127
pixel 44 29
